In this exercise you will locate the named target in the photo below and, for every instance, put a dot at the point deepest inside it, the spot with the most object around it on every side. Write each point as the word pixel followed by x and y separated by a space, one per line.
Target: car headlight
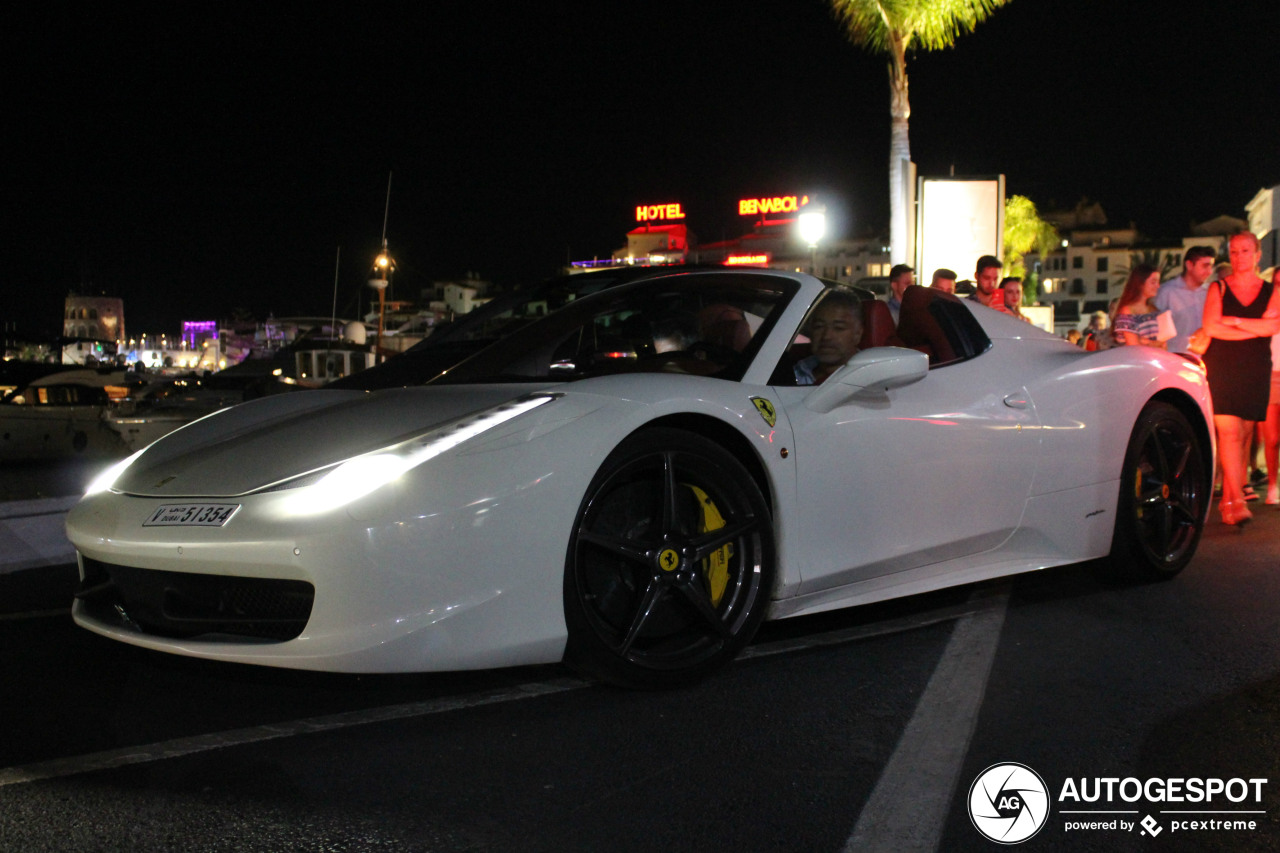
pixel 351 480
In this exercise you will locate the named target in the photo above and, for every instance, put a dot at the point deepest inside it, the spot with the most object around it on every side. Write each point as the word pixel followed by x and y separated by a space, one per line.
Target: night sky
pixel 202 158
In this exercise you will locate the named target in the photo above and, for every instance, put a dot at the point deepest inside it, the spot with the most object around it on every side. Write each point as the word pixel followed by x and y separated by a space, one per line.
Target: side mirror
pixel 870 373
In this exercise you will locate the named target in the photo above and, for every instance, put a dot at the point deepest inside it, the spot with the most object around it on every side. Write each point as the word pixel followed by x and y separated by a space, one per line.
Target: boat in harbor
pixel 158 408
pixel 59 415
pixel 105 413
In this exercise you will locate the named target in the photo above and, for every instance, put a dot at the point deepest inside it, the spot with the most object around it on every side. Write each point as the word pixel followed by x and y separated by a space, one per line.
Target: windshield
pixel 512 311
pixel 702 324
pixel 452 342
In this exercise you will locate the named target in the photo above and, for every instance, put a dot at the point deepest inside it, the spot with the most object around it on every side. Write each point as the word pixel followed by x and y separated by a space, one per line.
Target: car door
pixel 936 469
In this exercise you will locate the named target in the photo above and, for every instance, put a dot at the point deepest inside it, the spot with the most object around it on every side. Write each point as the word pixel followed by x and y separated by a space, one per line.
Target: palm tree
pixel 1025 231
pixel 894 27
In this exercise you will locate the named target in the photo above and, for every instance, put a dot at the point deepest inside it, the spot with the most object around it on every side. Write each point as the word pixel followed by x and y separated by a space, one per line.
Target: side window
pixel 940 326
pixel 963 330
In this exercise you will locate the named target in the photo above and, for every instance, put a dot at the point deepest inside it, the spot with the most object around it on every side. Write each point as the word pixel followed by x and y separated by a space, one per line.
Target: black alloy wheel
pixel 1164 496
pixel 671 563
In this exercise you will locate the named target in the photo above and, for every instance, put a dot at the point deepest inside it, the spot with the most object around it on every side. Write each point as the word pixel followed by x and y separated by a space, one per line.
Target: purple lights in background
pixel 195 331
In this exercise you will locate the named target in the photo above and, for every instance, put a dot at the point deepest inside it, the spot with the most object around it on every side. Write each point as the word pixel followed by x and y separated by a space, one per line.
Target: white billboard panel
pixel 959 220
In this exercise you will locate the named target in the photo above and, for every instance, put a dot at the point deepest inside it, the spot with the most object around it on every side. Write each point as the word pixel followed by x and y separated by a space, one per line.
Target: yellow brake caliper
pixel 715 567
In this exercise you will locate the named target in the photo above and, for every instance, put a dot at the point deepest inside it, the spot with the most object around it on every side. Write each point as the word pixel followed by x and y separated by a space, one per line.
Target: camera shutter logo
pixel 1008 803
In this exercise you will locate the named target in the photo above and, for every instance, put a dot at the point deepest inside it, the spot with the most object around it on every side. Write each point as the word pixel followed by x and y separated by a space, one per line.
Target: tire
pixel 671 563
pixel 1164 496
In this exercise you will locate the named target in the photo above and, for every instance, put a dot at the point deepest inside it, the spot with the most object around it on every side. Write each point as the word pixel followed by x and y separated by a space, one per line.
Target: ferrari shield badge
pixel 766 410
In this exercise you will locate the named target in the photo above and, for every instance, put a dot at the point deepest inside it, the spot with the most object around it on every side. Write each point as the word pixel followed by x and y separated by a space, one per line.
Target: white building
pixel 460 298
pixel 1264 220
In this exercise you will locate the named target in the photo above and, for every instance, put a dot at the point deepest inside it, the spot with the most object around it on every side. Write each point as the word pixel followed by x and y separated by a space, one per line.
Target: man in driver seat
pixel 835 330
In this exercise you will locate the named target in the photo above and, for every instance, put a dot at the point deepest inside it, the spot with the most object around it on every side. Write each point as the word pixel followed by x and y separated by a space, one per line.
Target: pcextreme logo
pixel 1009 803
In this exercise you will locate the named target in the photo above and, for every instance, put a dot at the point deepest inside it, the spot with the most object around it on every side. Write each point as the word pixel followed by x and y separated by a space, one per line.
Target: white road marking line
pixel 179 747
pixel 126 756
pixel 35 614
pixel 908 808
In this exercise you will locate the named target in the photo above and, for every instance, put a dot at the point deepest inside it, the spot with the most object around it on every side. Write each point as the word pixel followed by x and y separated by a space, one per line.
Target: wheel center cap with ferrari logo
pixel 668 559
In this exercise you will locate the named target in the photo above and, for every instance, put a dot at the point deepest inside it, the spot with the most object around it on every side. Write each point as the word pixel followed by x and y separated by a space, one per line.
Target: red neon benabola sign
pixel 776 204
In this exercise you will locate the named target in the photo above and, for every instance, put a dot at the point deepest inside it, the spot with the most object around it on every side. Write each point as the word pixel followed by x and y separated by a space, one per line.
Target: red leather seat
pixel 725 325
pixel 917 327
pixel 878 328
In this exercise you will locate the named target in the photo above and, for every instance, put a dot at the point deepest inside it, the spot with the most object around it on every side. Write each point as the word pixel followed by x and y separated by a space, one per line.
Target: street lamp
pixel 812 225
pixel 383 266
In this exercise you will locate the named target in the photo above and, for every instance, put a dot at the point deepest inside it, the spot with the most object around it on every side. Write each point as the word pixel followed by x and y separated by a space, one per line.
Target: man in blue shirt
pixel 1184 295
pixel 900 278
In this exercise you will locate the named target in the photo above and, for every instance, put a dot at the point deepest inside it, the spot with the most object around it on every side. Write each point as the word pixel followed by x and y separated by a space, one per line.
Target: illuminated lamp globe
pixel 383 266
pixel 812 225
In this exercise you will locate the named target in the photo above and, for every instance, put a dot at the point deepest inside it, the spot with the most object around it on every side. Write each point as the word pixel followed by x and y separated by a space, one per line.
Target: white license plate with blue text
pixel 191 515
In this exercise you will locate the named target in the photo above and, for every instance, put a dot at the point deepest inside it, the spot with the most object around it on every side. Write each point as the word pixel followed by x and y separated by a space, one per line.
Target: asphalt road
pixel 860 729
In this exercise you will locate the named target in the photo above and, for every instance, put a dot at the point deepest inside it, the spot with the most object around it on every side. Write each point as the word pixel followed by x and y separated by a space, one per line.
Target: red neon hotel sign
pixel 776 204
pixel 650 212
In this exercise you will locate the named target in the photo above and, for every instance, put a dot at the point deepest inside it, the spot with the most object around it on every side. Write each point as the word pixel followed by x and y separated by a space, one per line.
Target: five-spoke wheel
pixel 1164 495
pixel 670 566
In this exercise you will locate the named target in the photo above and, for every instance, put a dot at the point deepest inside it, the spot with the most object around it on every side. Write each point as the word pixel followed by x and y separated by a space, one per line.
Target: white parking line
pixel 908 808
pixel 203 743
pixel 34 614
pixel 142 754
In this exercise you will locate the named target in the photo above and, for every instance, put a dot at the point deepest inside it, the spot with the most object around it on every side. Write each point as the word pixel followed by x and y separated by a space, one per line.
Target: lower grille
pixel 180 604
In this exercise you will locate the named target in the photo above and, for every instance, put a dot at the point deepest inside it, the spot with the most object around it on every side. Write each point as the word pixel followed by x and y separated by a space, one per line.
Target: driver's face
pixel 834 333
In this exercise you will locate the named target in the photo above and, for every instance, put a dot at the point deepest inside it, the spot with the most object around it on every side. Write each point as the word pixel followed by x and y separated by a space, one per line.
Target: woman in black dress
pixel 1241 313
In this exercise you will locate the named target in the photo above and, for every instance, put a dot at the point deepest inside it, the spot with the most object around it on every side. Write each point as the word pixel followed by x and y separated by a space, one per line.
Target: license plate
pixel 191 515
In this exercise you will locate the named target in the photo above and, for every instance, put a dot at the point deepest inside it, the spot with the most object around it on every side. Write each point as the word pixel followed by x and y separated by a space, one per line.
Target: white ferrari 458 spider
pixel 635 482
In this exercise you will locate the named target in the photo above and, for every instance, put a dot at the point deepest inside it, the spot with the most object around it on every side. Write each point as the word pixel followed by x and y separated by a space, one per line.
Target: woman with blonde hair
pixel 1135 321
pixel 1241 313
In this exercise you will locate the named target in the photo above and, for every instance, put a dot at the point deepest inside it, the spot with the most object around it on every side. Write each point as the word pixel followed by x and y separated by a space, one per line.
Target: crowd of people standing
pixel 1229 316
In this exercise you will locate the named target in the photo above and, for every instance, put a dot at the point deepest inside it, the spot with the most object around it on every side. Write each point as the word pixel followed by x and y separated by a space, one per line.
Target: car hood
pixel 266 441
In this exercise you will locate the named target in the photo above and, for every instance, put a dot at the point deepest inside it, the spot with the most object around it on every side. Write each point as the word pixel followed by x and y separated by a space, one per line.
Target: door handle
pixel 1016 401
